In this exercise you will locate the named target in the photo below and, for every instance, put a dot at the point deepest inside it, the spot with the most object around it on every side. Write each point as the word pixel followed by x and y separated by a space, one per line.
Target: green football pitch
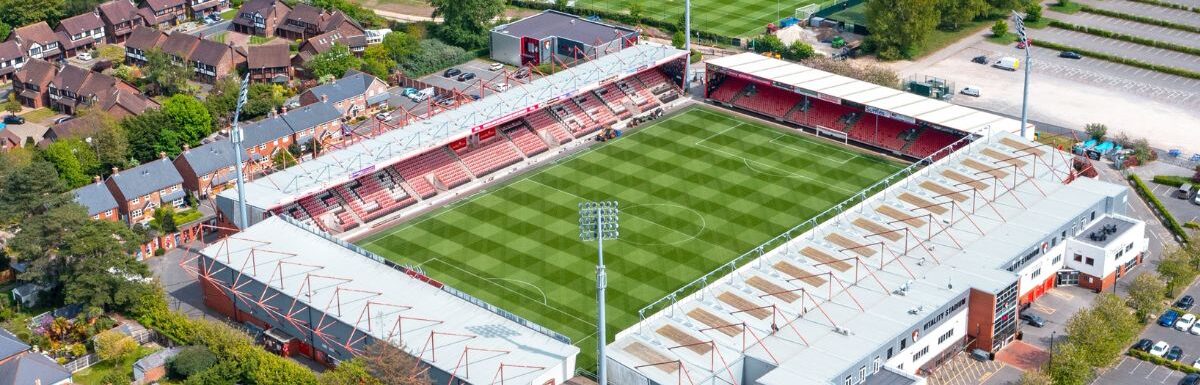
pixel 734 18
pixel 695 190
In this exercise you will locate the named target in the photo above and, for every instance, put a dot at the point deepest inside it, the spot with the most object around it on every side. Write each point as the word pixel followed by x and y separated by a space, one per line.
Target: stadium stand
pixel 929 141
pixel 615 99
pixel 595 108
pixel 525 139
pixel 489 155
pixel 768 101
pixel 542 121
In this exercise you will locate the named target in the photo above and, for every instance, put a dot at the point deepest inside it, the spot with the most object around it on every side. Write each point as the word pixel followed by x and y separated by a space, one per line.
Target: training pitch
pixel 733 18
pixel 695 190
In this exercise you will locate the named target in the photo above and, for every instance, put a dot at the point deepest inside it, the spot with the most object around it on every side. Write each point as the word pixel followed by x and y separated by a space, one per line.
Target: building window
pixel 920 353
pixel 875 365
pixel 135 200
pixel 1057 259
pixel 136 213
pixel 862 374
pixel 889 353
pixel 1078 258
pixel 849 381
pixel 1090 261
pixel 1036 273
pixel 108 213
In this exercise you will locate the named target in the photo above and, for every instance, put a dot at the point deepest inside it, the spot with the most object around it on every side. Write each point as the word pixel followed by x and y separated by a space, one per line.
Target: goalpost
pixel 804 12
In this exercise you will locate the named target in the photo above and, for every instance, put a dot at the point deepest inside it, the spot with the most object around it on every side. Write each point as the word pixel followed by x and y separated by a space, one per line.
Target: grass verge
pixel 1168 219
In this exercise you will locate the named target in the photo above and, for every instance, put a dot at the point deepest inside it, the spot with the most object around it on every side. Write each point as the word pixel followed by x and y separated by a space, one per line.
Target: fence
pixel 141 336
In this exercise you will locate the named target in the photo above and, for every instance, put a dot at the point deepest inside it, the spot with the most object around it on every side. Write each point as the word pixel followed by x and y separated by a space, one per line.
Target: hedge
pixel 1140 19
pixel 1171 223
pixel 1172 180
pixel 1160 3
pixel 1180 366
pixel 1121 60
pixel 1124 37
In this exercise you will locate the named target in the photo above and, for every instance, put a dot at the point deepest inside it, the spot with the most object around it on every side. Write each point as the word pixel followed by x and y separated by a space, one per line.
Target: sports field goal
pixel 804 12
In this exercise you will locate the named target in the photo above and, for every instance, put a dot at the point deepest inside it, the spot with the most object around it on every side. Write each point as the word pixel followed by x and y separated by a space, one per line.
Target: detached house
pixel 163 13
pixel 74 87
pixel 141 41
pixel 140 190
pixel 209 60
pixel 12 57
pixel 80 33
pixel 260 17
pixel 201 8
pixel 322 43
pixel 21 365
pixel 98 201
pixel 353 94
pixel 119 16
pixel 305 21
pixel 31 82
pixel 39 41
pixel 269 63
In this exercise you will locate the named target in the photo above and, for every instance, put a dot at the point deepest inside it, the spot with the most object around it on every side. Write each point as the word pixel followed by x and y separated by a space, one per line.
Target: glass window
pixel 875 365
pixel 1091 262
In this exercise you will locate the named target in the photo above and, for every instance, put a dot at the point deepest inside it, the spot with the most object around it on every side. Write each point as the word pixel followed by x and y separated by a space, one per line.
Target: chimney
pixel 96 178
pixel 324 98
pixel 116 171
pixel 284 108
pixel 162 154
pixel 186 147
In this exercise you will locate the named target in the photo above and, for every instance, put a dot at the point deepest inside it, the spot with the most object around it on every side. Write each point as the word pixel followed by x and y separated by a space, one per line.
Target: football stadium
pixel 779 224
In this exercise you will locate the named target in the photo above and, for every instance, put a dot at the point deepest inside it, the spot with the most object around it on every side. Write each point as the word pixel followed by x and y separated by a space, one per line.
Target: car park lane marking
pixel 1152 371
pixel 1135 368
pixel 1164 380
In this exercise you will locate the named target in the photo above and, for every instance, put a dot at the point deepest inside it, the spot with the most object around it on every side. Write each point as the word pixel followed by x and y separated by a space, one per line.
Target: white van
pixel 421 95
pixel 971 91
pixel 1008 63
pixel 501 87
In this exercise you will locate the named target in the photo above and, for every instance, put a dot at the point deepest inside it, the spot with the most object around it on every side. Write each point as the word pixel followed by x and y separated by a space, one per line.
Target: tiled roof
pixel 146 178
pixel 353 84
pixel 71 78
pixel 145 38
pixel 95 197
pixel 306 13
pixel 134 102
pixel 118 11
pixel 10 345
pixel 33 368
pixel 264 131
pixel 210 158
pixel 210 52
pixel 36 71
pixel 39 33
pixel 10 50
pixel 180 44
pixel 159 5
pixel 269 56
pixel 310 116
pixel 81 23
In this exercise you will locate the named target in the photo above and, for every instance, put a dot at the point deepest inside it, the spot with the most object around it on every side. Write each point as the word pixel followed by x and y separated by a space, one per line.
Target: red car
pixel 1022 44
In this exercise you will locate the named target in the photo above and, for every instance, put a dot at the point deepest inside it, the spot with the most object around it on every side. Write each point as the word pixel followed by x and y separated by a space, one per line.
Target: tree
pixel 161 76
pixel 400 46
pixel 111 345
pixel 116 377
pixel 465 22
pixel 74 160
pixel 30 190
pixel 5 30
pixel 220 374
pixel 956 13
pixel 165 219
pixel 12 106
pixel 678 39
pixel 377 62
pixel 334 62
pixel 1146 294
pixel 352 372
pixel 25 12
pixel 798 50
pixel 1096 131
pixel 1033 12
pixel 391 365
pixel 768 43
pixel 191 119
pixel 1177 269
pixel 149 134
pixel 189 361
pixel 561 5
pixel 1002 7
pixel 1109 326
pixel 1000 29
pixel 108 139
pixel 1070 367
pixel 899 27
pixel 281 372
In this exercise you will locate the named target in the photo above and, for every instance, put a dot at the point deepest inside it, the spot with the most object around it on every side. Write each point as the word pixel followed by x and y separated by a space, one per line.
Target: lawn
pixel 229 14
pixel 695 191
pixel 257 40
pixel 39 115
pixel 219 37
pixel 96 373
pixel 856 14
pixel 939 38
pixel 734 18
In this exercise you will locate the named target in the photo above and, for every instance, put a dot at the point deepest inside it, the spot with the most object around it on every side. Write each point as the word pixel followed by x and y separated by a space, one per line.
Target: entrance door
pixel 1068 278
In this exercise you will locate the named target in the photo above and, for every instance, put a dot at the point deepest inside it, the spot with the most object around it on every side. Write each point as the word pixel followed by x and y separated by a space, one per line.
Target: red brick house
pixel 80 33
pixel 73 87
pixel 269 63
pixel 163 13
pixel 354 94
pixel 305 21
pixel 12 57
pixel 209 60
pixel 39 41
pixel 119 16
pixel 98 201
pixel 140 190
pixel 260 17
pixel 322 43
pixel 31 82
pixel 209 169
pixel 201 8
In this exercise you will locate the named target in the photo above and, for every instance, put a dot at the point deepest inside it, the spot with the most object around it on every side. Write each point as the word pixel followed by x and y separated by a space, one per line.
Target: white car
pixel 1196 364
pixel 496 66
pixel 1185 322
pixel 85 56
pixel 1160 348
pixel 1195 330
pixel 501 87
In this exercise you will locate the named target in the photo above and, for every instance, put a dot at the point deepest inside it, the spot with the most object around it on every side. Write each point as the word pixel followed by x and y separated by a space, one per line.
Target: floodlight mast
pixel 687 44
pixel 597 222
pixel 1019 23
pixel 236 136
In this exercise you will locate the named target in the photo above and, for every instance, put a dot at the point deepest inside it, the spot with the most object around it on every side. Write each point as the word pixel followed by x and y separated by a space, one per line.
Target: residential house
pixel 74 87
pixel 19 364
pixel 142 40
pixel 265 138
pixel 209 169
pixel 119 16
pixel 39 41
pixel 80 33
pixel 12 57
pixel 98 201
pixel 260 17
pixel 30 83
pixel 322 43
pixel 142 189
pixel 120 102
pixel 211 60
pixel 338 21
pixel 71 128
pixel 9 140
pixel 305 21
pixel 269 63
pixel 318 121
pixel 163 13
pixel 375 36
pixel 179 47
pixel 354 94
pixel 202 8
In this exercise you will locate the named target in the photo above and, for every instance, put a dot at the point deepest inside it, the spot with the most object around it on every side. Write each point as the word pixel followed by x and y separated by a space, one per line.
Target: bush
pixel 1176 365
pixel 1161 3
pixel 1096 131
pixel 189 361
pixel 1171 223
pixel 1000 29
pixel 116 377
pixel 111 345
pixel 431 56
pixel 1172 180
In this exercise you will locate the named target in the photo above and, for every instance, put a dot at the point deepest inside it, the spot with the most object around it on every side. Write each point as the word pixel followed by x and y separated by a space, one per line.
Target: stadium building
pixel 433 160
pixel 553 36
pixel 319 297
pixel 883 291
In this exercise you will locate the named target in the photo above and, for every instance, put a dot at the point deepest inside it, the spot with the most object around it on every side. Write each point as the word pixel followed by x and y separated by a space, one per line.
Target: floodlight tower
pixel 597 222
pixel 687 44
pixel 236 136
pixel 1019 23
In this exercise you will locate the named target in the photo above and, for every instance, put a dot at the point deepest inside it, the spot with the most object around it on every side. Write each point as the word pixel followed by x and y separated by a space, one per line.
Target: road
pixel 210 30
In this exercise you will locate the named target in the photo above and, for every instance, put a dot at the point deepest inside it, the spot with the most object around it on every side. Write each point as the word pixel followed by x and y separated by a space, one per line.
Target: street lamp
pixel 597 222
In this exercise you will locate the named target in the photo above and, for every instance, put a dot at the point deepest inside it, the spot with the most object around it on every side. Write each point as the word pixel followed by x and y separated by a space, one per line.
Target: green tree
pixel 899 27
pixel 1033 12
pixel 219 374
pixel 25 12
pixel 99 268
pixel 5 30
pixel 353 10
pixel 191 360
pixel 149 134
pixel 75 7
pixel 165 218
pixel 108 140
pixel 30 190
pixel 678 39
pixel 377 62
pixel 769 43
pixel 956 13
pixel 282 372
pixel 1002 7
pixel 116 377
pixel 1178 270
pixel 162 77
pixel 1034 377
pixel 636 9
pixel 1110 327
pixel 391 365
pixel 465 22
pixel 334 62
pixel 12 106
pixel 74 160
pixel 352 372
pixel 798 50
pixel 1096 131
pixel 111 345
pixel 1000 29
pixel 561 5
pixel 191 119
pixel 1146 294
pixel 400 46
pixel 1070 366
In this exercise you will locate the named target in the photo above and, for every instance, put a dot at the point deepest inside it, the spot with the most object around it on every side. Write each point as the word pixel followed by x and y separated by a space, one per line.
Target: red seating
pixel 542 121
pixel 654 81
pixel 595 108
pixel 495 154
pixel 439 163
pixel 884 133
pixel 727 90
pixel 638 94
pixel 315 210
pixel 769 101
pixel 526 140
pixel 930 141
pixel 574 118
pixel 615 99
pixel 822 113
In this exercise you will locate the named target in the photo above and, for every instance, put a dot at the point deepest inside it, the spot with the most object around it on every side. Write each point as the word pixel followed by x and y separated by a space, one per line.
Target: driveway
pixel 183 291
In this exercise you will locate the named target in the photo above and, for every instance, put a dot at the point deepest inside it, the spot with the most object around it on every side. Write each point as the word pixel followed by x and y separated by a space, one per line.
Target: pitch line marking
pixel 806 151
pixel 535 287
pixel 785 173
pixel 631 214
pixel 518 293
pixel 703 224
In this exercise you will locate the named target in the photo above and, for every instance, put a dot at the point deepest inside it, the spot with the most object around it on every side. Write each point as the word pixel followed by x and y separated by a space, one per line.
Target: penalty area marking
pixel 535 287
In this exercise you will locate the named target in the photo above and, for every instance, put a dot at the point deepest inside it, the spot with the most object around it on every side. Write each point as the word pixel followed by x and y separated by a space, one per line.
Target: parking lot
pixel 1134 371
pixel 1118 48
pixel 1163 34
pixel 471 87
pixel 1153 11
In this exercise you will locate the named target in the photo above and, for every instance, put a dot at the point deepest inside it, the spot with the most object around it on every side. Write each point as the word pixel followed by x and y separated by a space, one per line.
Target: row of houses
pixel 273 17
pixel 132 195
pixel 68 88
pixel 111 22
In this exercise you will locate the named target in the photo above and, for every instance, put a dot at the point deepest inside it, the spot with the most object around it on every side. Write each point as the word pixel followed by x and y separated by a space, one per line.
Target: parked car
pixel 1174 353
pixel 1168 319
pixel 1196 363
pixel 501 87
pixel 1190 379
pixel 85 56
pixel 1143 345
pixel 1070 55
pixel 971 91
pixel 496 67
pixel 63 119
pixel 1033 320
pixel 384 116
pixel 981 59
pixel 1008 63
pixel 1186 302
pixel 522 73
pixel 1195 330
pixel 13 119
pixel 1184 323
pixel 451 72
pixel 466 76
pixel 1159 348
